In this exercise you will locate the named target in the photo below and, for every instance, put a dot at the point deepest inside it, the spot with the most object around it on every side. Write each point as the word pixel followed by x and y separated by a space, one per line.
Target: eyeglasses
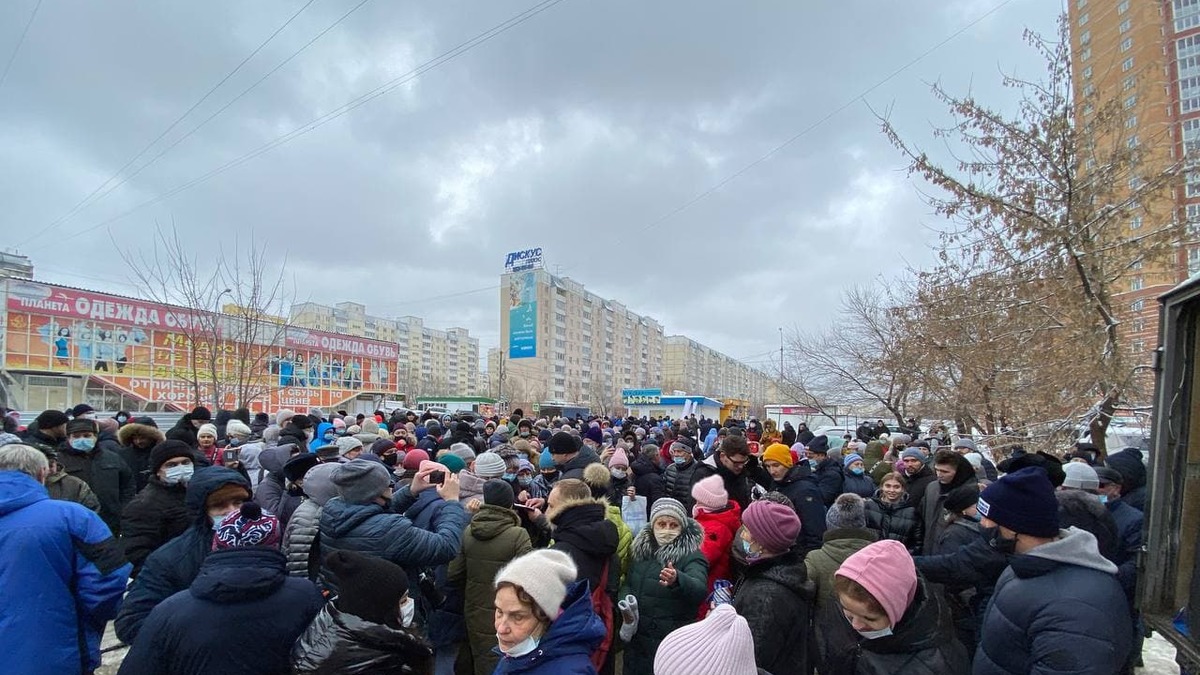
pixel 736 462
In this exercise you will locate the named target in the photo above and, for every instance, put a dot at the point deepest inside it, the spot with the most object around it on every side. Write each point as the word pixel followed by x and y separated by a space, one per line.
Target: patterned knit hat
pixel 721 644
pixel 247 527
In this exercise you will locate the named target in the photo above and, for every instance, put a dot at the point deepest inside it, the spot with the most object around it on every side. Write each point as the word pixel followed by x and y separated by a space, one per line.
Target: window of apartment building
pixel 1130 101
pixel 1137 305
pixel 1193 260
pixel 1188 46
pixel 1131 121
pixel 1193 218
pixel 1126 44
pixel 1083 19
pixel 1138 346
pixel 1129 82
pixel 1090 164
pixel 1135 284
pixel 1127 65
pixel 1135 223
pixel 1137 264
pixel 1138 325
pixel 1135 183
pixel 1085 38
pixel 1187 14
pixel 1125 26
pixel 1085 54
pixel 1080 4
pixel 1131 143
pixel 1087 73
pixel 1192 182
pixel 1123 6
pixel 1089 89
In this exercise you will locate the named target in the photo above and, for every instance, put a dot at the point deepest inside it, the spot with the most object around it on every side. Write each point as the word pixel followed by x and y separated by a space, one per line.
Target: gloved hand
pixel 629 617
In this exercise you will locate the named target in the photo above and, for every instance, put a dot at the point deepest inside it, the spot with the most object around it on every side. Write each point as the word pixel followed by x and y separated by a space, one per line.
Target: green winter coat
pixel 492 539
pixel 662 609
pixel 624 539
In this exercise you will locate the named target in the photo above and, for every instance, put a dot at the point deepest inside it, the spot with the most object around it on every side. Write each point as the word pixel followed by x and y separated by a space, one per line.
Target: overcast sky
pixel 576 131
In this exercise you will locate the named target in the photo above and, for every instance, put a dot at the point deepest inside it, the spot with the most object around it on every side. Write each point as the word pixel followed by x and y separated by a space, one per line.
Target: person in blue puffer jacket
pixel 368 518
pixel 64 572
pixel 212 493
pixel 545 624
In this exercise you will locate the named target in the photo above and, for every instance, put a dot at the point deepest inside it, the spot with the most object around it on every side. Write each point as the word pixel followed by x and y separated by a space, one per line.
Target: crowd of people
pixel 306 542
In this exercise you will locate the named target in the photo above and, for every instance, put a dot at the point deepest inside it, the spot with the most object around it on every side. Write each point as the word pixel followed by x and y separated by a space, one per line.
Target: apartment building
pixel 696 369
pixel 561 342
pixel 432 362
pixel 1146 55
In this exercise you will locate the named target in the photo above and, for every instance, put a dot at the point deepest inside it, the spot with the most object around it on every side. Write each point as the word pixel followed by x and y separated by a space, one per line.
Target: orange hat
pixel 778 452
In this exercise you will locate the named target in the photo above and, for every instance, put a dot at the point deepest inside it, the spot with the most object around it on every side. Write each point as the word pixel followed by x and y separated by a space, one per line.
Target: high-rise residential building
pixel 561 342
pixel 431 363
pixel 1145 56
pixel 15 266
pixel 691 367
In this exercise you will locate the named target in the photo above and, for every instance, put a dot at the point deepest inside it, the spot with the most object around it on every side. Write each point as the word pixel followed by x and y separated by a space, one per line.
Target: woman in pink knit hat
pixel 889 621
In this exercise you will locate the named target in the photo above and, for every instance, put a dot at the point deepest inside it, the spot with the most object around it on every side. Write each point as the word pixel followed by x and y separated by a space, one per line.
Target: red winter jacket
pixel 719 530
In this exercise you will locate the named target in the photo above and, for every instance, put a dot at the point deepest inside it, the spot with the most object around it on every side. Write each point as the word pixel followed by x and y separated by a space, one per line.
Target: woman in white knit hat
pixel 545 624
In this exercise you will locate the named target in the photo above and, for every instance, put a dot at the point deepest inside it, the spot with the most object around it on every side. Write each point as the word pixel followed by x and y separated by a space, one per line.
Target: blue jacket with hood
pixel 240 616
pixel 318 440
pixel 565 649
pixel 66 575
pixel 174 566
pixel 1056 609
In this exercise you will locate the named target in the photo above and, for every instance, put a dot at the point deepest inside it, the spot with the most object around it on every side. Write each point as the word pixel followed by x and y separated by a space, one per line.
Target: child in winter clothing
pixel 720 519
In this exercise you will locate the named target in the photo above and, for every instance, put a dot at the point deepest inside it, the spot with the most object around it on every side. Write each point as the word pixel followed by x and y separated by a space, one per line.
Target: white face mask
pixel 521 648
pixel 407 612
pixel 178 474
pixel 875 634
pixel 664 537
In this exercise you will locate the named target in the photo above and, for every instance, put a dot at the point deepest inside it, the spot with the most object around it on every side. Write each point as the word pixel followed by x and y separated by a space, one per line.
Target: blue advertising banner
pixel 522 316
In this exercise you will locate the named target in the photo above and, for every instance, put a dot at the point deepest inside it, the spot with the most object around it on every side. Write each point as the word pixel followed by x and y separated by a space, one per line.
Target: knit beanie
pixel 1080 476
pixel 338 423
pixel 1108 476
pixel 562 443
pixel 1046 462
pixel 209 429
pixel 709 494
pixel 369 587
pixel 236 428
pixel 672 508
pixel 546 460
pixel 886 570
pixel 284 416
pixel 248 526
pixel 848 510
pixel 225 492
pixel 200 413
pixel 169 450
pixel 542 573
pixel 851 458
pixel 453 463
pixel 489 465
pixel 619 458
pixel 778 452
pixel 318 483
pixel 347 444
pixel 773 525
pixel 48 419
pixel 301 421
pixel 360 481
pixel 413 459
pixel 594 435
pixel 498 493
pixel 965 442
pixel 819 445
pixel 1023 501
pixel 721 644
pixel 913 453
pixel 962 498
pixel 463 452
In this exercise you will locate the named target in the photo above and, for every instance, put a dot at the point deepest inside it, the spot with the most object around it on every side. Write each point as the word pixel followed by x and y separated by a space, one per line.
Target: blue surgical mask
pixel 525 481
pixel 83 444
pixel 875 634
pixel 234 442
pixel 857 471
pixel 1103 499
pixel 509 477
pixel 679 461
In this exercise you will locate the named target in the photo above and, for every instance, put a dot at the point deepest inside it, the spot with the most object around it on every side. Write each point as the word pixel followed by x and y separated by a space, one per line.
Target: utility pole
pixel 781 355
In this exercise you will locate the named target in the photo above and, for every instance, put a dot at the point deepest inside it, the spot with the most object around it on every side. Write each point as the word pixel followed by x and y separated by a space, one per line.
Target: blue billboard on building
pixel 522 315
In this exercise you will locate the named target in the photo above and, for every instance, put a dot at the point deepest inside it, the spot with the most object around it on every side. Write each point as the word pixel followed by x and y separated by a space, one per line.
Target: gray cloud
pixel 574 131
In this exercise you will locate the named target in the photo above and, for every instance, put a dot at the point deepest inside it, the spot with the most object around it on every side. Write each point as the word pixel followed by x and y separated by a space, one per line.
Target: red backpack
pixel 602 605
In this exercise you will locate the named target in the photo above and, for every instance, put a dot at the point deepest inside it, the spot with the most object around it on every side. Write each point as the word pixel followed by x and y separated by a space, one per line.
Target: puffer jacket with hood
pixel 174 566
pixel 493 539
pixel 1057 609
pixel 1133 476
pixel 240 616
pixel 336 643
pixel 138 458
pixel 800 486
pixel 678 481
pixel 582 530
pixel 921 643
pixel 776 599
pixel 372 529
pixel 567 647
pixel 302 537
pixel 319 440
pixel 935 495
pixel 899 521
pixel 662 609
pixel 647 480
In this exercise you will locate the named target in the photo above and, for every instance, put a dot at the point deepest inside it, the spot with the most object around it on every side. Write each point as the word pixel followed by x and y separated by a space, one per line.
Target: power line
pixel 805 131
pixel 85 201
pixel 20 41
pixel 349 106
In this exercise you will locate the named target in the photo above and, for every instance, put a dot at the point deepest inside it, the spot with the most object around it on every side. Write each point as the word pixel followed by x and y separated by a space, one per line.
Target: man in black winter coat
pixel 951 471
pixel 159 513
pixel 826 469
pixel 647 481
pixel 681 474
pixel 741 471
pixel 570 457
pixel 241 615
pixel 137 439
pixel 796 482
pixel 185 429
pixel 103 470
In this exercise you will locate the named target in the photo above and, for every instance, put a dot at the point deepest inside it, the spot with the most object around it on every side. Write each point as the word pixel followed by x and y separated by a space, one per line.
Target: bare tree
pixel 227 354
pixel 1043 202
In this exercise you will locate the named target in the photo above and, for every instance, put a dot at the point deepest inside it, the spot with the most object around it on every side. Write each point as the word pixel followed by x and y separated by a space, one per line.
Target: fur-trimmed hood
pixel 127 433
pixel 689 540
pixel 553 514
